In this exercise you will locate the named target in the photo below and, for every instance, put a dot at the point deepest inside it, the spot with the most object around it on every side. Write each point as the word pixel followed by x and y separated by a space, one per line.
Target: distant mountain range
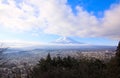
pixel 60 43
pixel 65 43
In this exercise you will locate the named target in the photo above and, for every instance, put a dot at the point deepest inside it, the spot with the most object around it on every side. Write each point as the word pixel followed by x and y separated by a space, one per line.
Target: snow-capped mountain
pixel 66 40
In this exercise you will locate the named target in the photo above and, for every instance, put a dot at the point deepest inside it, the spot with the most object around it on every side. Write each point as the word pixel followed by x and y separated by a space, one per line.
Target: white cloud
pixel 19 43
pixel 111 23
pixel 56 17
pixel 17 18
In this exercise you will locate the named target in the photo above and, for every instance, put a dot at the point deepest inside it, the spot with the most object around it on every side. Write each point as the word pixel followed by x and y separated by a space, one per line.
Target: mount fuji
pixel 64 43
pixel 66 40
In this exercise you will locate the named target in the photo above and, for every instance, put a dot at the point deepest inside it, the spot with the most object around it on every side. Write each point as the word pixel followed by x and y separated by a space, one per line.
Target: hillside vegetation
pixel 69 67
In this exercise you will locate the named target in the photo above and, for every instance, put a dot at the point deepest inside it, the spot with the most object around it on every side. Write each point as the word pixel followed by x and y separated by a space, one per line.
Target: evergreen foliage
pixel 68 67
pixel 118 50
pixel 113 70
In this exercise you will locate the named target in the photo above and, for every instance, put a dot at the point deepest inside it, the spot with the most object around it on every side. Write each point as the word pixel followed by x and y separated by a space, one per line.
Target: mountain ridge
pixel 66 40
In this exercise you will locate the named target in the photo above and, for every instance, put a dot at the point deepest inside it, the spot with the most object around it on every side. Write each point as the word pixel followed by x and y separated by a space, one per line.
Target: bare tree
pixel 2 61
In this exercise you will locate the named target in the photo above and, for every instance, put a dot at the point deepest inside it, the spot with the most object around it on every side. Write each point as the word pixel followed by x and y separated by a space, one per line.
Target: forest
pixel 69 67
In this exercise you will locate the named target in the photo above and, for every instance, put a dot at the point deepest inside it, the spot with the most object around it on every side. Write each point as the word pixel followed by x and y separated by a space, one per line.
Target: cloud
pixel 16 18
pixel 110 23
pixel 57 17
pixel 19 43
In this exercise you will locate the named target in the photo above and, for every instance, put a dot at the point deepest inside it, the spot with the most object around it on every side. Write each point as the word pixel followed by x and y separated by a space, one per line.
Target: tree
pixel 113 69
pixel 68 67
pixel 48 59
pixel 2 61
pixel 117 57
pixel 118 50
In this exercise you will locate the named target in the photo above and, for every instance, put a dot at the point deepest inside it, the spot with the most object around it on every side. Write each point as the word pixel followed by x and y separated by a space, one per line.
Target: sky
pixel 43 21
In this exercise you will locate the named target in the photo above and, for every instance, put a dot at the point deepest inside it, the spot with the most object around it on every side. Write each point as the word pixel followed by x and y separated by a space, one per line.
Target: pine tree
pixel 114 65
pixel 118 50
pixel 48 59
pixel 118 55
